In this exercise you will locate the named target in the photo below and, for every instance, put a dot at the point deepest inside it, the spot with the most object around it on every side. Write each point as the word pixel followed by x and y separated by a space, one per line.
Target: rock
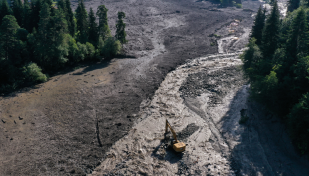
pixel 3 121
pixel 20 118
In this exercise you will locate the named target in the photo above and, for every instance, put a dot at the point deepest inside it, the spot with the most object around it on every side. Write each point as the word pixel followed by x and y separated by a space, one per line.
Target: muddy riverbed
pixel 108 117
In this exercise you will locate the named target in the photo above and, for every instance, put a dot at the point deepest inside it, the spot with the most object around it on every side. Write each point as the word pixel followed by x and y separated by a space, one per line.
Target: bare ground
pixel 66 126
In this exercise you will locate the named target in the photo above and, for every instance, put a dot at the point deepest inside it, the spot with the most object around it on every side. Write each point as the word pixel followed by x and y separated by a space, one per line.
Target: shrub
pixel 111 48
pixel 239 6
pixel 34 73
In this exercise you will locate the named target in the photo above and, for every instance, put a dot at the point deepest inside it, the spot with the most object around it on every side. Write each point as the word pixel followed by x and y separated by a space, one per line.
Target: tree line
pixel 277 64
pixel 41 37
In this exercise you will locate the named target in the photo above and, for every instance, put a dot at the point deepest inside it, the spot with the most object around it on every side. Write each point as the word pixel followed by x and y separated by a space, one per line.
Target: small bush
pixel 217 36
pixel 34 73
pixel 239 6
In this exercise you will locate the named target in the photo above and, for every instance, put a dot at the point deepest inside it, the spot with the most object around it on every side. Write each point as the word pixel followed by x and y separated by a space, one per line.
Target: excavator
pixel 177 146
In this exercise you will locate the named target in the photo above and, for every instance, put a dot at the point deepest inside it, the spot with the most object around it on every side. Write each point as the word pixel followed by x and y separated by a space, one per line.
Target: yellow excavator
pixel 177 146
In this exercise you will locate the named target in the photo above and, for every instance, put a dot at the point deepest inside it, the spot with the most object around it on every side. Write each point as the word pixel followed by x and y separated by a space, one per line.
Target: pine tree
pixel 4 10
pixel 82 23
pixel 297 43
pixel 293 4
pixel 70 18
pixel 120 31
pixel 17 8
pixel 26 16
pixel 270 36
pixel 35 14
pixel 8 30
pixel 61 5
pixel 258 26
pixel 104 30
pixel 50 48
pixel 43 41
pixel 93 29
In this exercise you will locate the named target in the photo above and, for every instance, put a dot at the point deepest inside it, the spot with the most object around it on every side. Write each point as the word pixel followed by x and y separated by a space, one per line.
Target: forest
pixel 38 39
pixel 277 65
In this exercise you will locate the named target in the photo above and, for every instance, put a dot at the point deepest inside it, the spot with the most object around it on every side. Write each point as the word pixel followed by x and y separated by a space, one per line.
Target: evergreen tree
pixel 50 47
pixel 104 30
pixel 120 31
pixel 93 29
pixel 8 30
pixel 70 18
pixel 26 16
pixel 297 43
pixel 293 4
pixel 35 14
pixel 258 26
pixel 82 23
pixel 270 35
pixel 4 10
pixel 61 5
pixel 17 8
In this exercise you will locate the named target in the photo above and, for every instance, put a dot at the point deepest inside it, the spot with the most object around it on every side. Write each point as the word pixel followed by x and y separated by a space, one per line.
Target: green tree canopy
pixel 258 26
pixel 104 30
pixel 17 8
pixel 82 22
pixel 120 28
pixel 270 36
pixel 4 10
pixel 93 35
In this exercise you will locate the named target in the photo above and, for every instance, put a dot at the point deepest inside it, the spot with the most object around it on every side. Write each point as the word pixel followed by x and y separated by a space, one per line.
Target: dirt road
pixel 66 126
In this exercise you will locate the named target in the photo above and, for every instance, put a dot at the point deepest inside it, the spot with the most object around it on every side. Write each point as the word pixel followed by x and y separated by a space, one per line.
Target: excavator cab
pixel 177 146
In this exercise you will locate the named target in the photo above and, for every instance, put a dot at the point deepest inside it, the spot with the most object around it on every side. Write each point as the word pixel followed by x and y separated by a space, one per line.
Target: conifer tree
pixel 120 32
pixel 50 49
pixel 93 29
pixel 35 14
pixel 298 39
pixel 270 35
pixel 61 5
pixel 70 18
pixel 104 30
pixel 82 23
pixel 8 30
pixel 4 10
pixel 17 8
pixel 26 16
pixel 258 26
pixel 293 4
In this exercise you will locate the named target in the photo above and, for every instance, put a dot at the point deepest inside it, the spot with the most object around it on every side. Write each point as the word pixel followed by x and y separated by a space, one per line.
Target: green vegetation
pixel 217 36
pixel 277 63
pixel 43 37
pixel 239 6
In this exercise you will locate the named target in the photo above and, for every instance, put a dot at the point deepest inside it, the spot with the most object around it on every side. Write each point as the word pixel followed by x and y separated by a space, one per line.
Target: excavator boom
pixel 177 146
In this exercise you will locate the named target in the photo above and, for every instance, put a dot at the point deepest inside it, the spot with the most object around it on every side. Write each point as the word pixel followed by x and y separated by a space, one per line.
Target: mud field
pixel 108 118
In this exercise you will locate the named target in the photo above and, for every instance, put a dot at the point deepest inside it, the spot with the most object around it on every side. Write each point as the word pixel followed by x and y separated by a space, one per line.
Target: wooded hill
pixel 277 63
pixel 41 37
